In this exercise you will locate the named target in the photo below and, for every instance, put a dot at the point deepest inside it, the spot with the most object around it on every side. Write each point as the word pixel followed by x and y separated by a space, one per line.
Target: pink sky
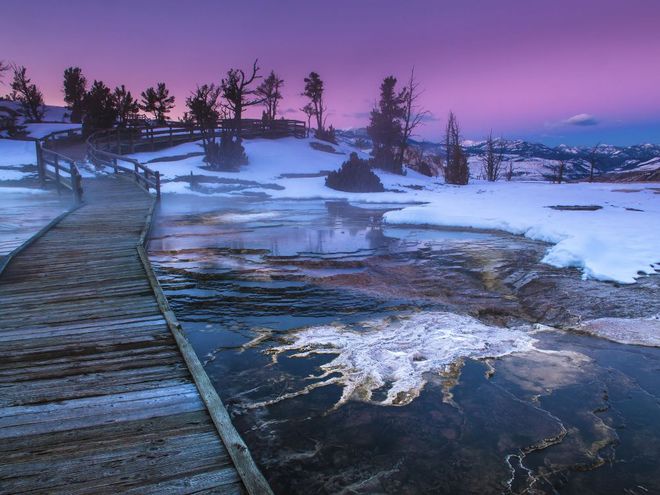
pixel 520 67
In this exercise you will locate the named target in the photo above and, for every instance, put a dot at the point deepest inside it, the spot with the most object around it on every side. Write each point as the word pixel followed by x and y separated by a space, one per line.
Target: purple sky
pixel 520 67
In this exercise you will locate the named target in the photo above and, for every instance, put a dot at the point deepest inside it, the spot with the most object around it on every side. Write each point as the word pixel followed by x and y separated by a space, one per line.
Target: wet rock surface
pixel 572 413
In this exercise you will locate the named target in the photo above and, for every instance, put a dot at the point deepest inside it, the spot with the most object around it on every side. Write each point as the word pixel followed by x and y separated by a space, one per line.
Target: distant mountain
pixel 535 161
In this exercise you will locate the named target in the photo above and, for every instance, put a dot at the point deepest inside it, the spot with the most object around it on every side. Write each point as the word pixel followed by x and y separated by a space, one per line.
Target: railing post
pixel 170 136
pixel 57 173
pixel 158 185
pixel 114 162
pixel 40 163
pixel 118 142
pixel 136 173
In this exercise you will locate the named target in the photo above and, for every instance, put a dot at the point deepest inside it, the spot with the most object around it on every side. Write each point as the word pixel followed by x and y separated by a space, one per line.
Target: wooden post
pixel 57 173
pixel 40 164
pixel 118 142
pixel 170 136
pixel 136 173
pixel 158 185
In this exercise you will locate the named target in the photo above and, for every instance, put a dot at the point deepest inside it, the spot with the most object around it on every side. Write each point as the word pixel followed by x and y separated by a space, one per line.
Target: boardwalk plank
pixel 95 396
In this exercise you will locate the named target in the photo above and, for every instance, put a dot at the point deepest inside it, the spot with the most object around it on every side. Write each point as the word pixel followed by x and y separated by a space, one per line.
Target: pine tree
pixel 456 167
pixel 157 101
pixel 385 127
pixel 28 95
pixel 126 106
pixel 314 91
pixel 99 106
pixel 75 87
pixel 269 92
pixel 203 105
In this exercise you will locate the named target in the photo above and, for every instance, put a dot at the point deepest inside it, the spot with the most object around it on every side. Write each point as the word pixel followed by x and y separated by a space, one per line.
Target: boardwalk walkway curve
pixel 100 392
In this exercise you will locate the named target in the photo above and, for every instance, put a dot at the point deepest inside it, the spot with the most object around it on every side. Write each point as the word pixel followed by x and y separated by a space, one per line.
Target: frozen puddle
pixel 635 331
pixel 397 355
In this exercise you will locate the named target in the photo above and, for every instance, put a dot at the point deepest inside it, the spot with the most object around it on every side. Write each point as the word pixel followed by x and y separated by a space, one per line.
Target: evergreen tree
pixel 126 106
pixel 385 128
pixel 99 107
pixel 28 95
pixel 314 91
pixel 203 105
pixel 75 87
pixel 269 92
pixel 157 101
pixel 456 167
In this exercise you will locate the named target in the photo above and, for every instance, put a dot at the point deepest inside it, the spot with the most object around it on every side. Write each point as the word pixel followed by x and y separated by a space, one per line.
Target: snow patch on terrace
pixel 615 243
pixel 636 331
pixel 398 354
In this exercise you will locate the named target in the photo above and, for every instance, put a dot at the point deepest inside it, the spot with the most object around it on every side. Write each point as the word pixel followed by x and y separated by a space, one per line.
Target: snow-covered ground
pixel 13 153
pixel 612 243
pixel 617 242
pixel 41 130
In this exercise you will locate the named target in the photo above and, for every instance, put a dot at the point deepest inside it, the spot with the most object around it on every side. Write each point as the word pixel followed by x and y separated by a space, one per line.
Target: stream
pixel 356 357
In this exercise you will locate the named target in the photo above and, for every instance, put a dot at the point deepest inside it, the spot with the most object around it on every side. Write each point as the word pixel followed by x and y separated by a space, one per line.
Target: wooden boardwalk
pixel 95 395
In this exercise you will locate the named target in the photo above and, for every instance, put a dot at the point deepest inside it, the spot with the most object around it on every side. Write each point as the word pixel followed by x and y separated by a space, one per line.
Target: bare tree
pixel 308 110
pixel 238 95
pixel 593 161
pixel 558 171
pixel 269 92
pixel 508 175
pixel 492 160
pixel 456 168
pixel 27 94
pixel 413 114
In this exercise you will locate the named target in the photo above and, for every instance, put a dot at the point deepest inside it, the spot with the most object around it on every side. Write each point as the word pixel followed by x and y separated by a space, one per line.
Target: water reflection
pixel 573 414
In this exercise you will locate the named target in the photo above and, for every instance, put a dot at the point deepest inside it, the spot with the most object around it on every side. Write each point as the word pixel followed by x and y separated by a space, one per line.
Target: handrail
pixel 51 164
pixel 107 147
pixel 143 175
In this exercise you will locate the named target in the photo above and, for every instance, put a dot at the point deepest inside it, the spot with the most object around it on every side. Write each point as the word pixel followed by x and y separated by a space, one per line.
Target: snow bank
pixel 613 243
pixel 40 130
pixel 17 152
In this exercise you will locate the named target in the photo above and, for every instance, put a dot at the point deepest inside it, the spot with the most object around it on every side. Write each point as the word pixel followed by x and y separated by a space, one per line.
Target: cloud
pixel 581 119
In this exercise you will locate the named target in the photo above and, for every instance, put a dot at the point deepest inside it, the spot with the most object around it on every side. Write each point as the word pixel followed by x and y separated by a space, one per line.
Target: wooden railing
pixel 146 138
pixel 145 177
pixel 60 169
pixel 108 147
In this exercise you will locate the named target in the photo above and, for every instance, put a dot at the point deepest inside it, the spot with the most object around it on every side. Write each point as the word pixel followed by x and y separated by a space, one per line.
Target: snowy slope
pixel 614 242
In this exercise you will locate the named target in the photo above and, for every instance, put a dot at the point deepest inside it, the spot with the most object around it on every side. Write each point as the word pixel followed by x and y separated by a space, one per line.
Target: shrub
pixel 327 135
pixel 355 175
pixel 228 155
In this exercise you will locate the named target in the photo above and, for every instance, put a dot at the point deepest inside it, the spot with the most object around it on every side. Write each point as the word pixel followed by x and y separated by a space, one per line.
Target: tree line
pixel 392 124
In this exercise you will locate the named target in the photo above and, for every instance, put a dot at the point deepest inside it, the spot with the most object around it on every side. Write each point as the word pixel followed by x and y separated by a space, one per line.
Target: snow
pixel 21 190
pixel 17 153
pixel 615 243
pixel 41 130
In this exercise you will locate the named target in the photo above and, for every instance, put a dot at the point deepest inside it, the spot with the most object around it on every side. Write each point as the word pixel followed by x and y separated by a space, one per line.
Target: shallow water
pixel 356 358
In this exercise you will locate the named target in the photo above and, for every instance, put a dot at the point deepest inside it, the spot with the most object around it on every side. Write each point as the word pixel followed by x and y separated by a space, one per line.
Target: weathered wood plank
pixel 95 395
